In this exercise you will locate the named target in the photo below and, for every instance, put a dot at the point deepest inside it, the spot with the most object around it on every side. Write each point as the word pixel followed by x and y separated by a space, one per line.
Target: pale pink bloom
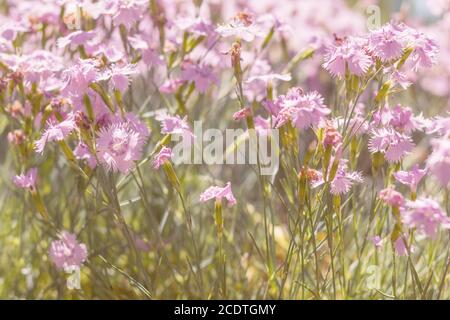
pixel 400 118
pixel 26 180
pixel 262 126
pixel 332 137
pixel 343 179
pixel 241 27
pixel 128 12
pixel 386 43
pixel 425 49
pixel 67 252
pixel 393 144
pixel 55 131
pixel 76 38
pixel 410 178
pixel 304 110
pixel 150 56
pixel 171 85
pixel 175 125
pixel 202 75
pixel 82 152
pixel 400 246
pixel 266 78
pixel 242 114
pixel 119 146
pixel 215 192
pixel 439 126
pixel 348 53
pixel 397 77
pixel 119 76
pixel 197 26
pixel 391 197
pixel 425 215
pixel 438 163
pixel 377 241
pixel 77 78
pixel 165 154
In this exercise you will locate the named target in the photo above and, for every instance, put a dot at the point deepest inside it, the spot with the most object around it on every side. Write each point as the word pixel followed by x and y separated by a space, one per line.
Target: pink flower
pixel 55 132
pixel 82 152
pixel 393 144
pixel 76 38
pixel 262 126
pixel 411 178
pixel 175 125
pixel 377 241
pixel 425 215
pixel 242 114
pixel 425 50
pixel 241 27
pixel 128 12
pixel 266 78
pixel 67 252
pixel 171 85
pixel 26 180
pixel 343 180
pixel 163 155
pixel 397 77
pixel 386 43
pixel 400 246
pixel 119 145
pixel 438 163
pixel 78 77
pixel 348 53
pixel 201 74
pixel 215 192
pixel 304 110
pixel 391 197
pixel 119 76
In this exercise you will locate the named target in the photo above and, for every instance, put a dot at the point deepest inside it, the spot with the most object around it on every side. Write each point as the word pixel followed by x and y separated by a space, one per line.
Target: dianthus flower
pixel 410 178
pixel 438 163
pixel 215 192
pixel 163 155
pixel 425 215
pixel 26 180
pixel 391 197
pixel 393 144
pixel 55 131
pixel 67 252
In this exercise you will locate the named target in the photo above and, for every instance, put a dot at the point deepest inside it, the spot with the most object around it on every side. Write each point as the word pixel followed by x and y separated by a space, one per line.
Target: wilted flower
pixel 67 252
pixel 215 192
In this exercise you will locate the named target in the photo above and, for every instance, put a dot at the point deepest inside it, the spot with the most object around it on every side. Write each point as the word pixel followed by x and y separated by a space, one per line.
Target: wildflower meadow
pixel 207 149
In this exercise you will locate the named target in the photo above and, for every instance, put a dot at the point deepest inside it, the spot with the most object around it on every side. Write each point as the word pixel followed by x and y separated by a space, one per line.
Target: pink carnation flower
pixel 55 132
pixel 82 152
pixel 201 74
pixel 242 27
pixel 175 125
pixel 163 155
pixel 410 178
pixel 67 252
pixel 393 144
pixel 304 110
pixel 391 197
pixel 400 246
pixel 425 215
pixel 215 192
pixel 76 38
pixel 342 181
pixel 386 43
pixel 348 53
pixel 377 241
pixel 171 85
pixel 26 180
pixel 77 78
pixel 119 145
pixel 438 163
